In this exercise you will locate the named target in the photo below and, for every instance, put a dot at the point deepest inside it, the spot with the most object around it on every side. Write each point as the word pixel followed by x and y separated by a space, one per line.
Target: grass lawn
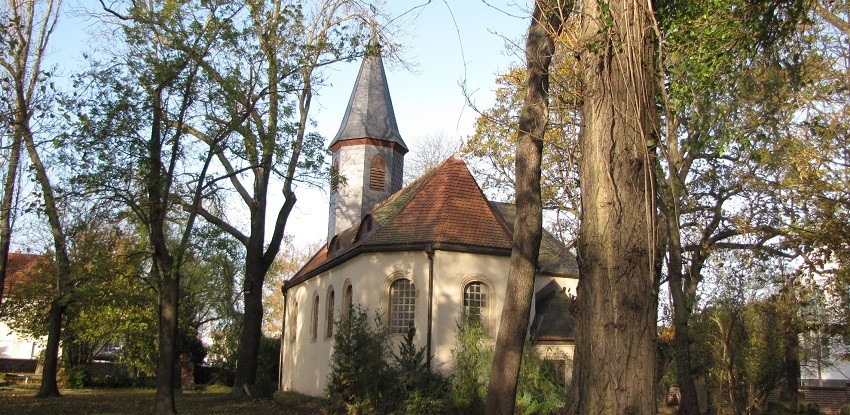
pixel 21 400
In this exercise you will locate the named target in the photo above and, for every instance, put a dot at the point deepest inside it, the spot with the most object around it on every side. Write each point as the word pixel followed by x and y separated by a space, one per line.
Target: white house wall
pixel 13 345
pixel 305 364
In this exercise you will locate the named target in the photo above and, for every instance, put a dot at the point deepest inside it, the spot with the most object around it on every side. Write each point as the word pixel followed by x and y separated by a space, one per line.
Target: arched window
pixel 402 305
pixel 347 297
pixel 475 300
pixel 329 329
pixel 293 322
pixel 314 321
pixel 378 174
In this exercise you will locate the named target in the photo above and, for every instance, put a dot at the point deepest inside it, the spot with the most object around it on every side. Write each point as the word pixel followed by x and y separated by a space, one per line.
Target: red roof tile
pixel 18 269
pixel 444 206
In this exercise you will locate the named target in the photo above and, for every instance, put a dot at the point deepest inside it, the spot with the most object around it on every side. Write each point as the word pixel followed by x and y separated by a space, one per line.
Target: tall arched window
pixel 293 322
pixel 329 329
pixel 314 321
pixel 402 305
pixel 347 297
pixel 475 300
pixel 378 174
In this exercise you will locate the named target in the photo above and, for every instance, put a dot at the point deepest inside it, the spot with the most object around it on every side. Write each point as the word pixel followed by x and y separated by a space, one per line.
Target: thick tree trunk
pixel 6 208
pixel 615 355
pixel 166 364
pixel 249 341
pixel 49 387
pixel 528 229
pixel 169 275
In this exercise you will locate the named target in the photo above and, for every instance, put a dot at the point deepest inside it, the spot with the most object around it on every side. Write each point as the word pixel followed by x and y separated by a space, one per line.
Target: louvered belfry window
pixel 402 305
pixel 377 174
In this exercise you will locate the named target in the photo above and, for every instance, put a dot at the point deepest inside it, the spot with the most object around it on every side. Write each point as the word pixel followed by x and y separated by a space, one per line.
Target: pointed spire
pixel 370 109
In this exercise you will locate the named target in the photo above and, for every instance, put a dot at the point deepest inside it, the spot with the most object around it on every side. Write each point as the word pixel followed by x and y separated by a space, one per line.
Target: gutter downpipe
pixel 282 341
pixel 430 252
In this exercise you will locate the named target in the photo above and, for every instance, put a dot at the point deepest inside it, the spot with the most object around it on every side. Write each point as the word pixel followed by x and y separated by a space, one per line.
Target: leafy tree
pixel 139 107
pixel 492 148
pixel 25 30
pixel 738 346
pixel 258 64
pixel 111 302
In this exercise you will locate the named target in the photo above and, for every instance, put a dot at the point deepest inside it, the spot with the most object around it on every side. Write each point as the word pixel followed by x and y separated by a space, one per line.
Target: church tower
pixel 368 152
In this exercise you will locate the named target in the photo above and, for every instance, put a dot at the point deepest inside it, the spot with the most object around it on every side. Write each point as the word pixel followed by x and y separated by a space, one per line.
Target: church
pixel 422 255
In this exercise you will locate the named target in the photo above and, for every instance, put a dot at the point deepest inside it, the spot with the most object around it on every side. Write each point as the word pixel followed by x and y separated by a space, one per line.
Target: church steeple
pixel 370 109
pixel 368 151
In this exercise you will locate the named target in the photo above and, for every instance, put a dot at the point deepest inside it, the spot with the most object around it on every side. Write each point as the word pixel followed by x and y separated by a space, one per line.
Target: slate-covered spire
pixel 370 109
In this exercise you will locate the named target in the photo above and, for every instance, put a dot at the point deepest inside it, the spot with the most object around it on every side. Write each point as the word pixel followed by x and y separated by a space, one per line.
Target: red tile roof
pixel 443 207
pixel 19 269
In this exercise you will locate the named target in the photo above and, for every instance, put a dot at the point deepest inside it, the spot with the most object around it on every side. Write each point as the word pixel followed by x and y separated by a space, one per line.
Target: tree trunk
pixel 169 276
pixel 63 265
pixel 6 208
pixel 528 229
pixel 252 320
pixel 49 387
pixel 616 304
pixel 689 404
pixel 792 349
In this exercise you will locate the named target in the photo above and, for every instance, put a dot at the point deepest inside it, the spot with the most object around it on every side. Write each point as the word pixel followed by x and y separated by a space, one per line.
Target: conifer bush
pixel 359 378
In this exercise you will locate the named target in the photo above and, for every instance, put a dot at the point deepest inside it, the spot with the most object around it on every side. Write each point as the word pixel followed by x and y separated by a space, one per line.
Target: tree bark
pixel 688 405
pixel 49 386
pixel 169 277
pixel 546 21
pixel 792 346
pixel 6 208
pixel 616 304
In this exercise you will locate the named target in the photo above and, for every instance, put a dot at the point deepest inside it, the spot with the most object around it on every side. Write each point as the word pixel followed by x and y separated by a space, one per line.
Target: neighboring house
pixel 14 345
pixel 422 255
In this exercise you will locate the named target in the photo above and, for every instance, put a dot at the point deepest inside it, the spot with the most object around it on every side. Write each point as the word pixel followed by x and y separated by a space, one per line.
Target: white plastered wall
pixel 305 363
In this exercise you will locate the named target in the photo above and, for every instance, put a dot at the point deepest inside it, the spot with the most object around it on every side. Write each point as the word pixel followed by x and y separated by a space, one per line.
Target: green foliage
pixel 740 349
pixel 473 356
pixel 417 390
pixel 540 389
pixel 359 378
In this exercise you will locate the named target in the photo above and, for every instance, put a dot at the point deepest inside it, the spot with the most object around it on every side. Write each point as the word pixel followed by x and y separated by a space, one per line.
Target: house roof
pixel 18 270
pixel 370 114
pixel 552 318
pixel 443 209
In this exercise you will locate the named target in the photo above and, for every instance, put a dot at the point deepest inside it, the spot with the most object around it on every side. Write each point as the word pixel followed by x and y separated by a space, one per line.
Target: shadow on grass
pixel 140 401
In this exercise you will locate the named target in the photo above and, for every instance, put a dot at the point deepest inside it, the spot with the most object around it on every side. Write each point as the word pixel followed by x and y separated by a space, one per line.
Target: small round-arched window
pixel 475 300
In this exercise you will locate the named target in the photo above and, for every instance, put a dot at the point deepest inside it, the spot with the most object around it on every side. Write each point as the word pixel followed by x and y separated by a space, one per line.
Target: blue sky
pixel 445 43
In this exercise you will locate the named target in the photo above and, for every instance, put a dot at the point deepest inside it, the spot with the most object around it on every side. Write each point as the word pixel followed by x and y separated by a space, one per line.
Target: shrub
pixel 417 389
pixel 539 390
pixel 472 356
pixel 359 375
